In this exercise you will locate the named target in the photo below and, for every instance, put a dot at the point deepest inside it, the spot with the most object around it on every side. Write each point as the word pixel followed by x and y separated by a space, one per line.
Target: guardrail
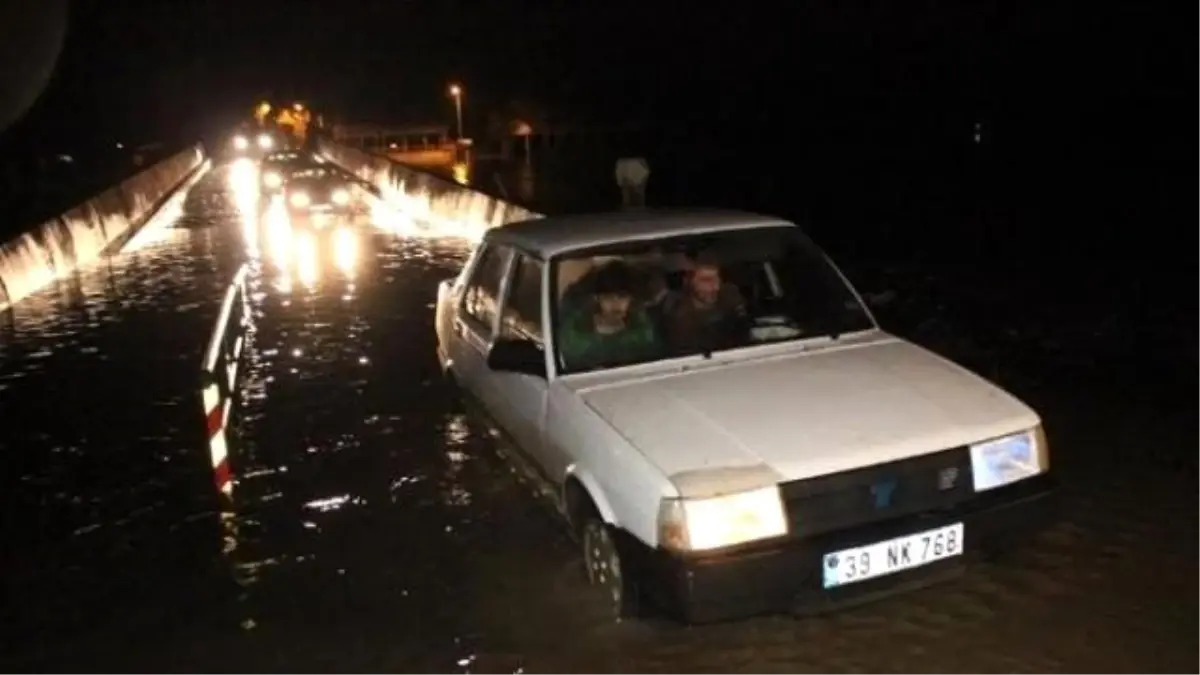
pixel 218 375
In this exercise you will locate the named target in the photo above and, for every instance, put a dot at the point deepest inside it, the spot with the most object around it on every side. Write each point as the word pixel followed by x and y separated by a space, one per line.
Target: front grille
pixel 937 481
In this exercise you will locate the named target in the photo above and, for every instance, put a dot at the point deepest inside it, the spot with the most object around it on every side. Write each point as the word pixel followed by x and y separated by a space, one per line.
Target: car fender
pixel 594 491
pixel 626 488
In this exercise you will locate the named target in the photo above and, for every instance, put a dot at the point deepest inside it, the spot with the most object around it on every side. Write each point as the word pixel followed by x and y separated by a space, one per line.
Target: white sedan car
pixel 721 421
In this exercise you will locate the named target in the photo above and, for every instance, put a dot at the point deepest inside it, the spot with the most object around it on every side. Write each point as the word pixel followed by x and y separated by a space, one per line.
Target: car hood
pixel 803 414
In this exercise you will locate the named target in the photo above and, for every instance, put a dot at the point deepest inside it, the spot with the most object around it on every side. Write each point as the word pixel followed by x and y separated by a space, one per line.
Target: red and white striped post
pixel 217 416
pixel 219 378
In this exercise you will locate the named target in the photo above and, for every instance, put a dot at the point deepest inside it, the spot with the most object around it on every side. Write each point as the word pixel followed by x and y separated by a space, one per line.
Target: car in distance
pixel 788 455
pixel 319 190
pixel 249 143
pixel 277 166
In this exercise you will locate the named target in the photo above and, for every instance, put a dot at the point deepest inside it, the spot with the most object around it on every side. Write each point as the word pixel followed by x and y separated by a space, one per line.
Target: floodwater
pixel 371 527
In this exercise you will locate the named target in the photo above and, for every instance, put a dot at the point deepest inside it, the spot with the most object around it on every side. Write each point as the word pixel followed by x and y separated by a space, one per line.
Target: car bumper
pixel 787 576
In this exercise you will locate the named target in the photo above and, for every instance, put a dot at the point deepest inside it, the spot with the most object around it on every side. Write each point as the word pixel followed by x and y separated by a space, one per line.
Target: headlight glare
pixel 272 179
pixel 299 199
pixel 727 520
pixel 1008 459
pixel 340 196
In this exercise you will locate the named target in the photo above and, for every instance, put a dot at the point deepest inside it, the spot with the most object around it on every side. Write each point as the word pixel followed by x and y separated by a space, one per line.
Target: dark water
pixel 372 528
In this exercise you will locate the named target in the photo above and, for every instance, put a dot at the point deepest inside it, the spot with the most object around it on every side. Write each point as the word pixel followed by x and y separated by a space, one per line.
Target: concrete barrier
pixel 56 248
pixel 426 197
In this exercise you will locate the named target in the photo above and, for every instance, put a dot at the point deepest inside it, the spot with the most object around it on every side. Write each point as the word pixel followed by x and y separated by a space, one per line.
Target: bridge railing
pixel 218 375
pixel 56 248
pixel 427 197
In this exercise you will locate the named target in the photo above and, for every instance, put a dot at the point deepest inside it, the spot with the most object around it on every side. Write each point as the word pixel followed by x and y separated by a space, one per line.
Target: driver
pixel 607 329
pixel 706 310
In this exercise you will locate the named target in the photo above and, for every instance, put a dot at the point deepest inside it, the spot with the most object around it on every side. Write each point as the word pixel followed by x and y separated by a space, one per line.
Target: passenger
pixel 607 330
pixel 708 313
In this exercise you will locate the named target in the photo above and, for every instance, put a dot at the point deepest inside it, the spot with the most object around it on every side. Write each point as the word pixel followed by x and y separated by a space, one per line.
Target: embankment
pixel 57 247
pixel 426 197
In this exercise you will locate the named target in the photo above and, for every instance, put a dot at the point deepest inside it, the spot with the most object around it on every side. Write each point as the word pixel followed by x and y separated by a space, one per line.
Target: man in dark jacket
pixel 707 313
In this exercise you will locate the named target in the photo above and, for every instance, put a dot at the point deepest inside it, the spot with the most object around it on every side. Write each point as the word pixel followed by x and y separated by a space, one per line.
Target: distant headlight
pixel 1005 460
pixel 272 179
pixel 299 200
pixel 715 522
pixel 341 196
pixel 265 141
pixel 240 143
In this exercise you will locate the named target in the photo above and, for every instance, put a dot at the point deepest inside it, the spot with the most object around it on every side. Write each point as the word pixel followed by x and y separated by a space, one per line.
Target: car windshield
pixel 698 294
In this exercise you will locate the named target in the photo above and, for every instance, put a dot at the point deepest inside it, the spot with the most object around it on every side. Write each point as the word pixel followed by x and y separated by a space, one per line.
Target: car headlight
pixel 265 141
pixel 1008 459
pixel 240 142
pixel 340 196
pixel 272 179
pixel 715 522
pixel 299 199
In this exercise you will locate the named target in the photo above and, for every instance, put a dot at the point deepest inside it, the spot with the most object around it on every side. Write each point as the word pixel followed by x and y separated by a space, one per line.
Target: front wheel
pixel 605 571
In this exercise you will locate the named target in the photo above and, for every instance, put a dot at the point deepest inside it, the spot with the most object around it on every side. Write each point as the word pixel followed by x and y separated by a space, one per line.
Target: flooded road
pixel 372 528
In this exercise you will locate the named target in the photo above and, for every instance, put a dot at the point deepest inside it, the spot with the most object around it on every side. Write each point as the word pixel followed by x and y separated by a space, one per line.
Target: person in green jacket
pixel 607 331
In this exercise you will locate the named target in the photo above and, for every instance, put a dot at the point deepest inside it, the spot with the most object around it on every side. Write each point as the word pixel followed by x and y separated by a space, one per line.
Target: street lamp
pixel 456 94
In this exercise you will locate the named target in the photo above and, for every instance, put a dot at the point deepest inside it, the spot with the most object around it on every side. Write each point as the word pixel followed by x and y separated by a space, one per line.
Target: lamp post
pixel 525 130
pixel 456 94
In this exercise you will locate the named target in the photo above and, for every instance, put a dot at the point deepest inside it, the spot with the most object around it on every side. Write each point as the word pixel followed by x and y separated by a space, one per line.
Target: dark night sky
pixel 173 69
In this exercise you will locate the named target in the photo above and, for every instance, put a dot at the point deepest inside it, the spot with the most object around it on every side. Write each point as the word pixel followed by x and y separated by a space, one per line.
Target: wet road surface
pixel 371 527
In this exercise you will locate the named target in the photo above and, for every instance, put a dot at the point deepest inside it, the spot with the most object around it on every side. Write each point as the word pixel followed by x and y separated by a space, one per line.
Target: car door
pixel 476 319
pixel 520 398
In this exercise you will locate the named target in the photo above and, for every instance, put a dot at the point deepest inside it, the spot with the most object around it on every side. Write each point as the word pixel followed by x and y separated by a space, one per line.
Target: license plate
pixel 893 555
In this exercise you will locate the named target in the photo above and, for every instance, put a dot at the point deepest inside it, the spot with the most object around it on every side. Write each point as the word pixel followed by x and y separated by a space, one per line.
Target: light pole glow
pixel 456 93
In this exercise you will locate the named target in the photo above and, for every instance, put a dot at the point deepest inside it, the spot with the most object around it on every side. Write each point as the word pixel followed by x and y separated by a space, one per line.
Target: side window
pixel 483 288
pixel 523 306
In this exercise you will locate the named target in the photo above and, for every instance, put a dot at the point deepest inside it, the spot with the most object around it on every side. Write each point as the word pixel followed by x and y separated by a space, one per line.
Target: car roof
pixel 553 235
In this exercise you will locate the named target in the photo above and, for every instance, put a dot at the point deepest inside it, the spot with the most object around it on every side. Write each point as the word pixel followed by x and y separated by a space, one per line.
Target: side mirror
pixel 517 356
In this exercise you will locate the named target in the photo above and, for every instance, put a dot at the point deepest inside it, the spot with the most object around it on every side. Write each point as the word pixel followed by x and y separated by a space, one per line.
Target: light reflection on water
pixel 340 312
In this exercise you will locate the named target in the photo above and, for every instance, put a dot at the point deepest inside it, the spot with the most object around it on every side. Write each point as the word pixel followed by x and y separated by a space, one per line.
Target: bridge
pixel 227 447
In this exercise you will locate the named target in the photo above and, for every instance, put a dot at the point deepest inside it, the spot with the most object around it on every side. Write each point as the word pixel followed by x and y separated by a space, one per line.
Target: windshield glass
pixel 649 300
